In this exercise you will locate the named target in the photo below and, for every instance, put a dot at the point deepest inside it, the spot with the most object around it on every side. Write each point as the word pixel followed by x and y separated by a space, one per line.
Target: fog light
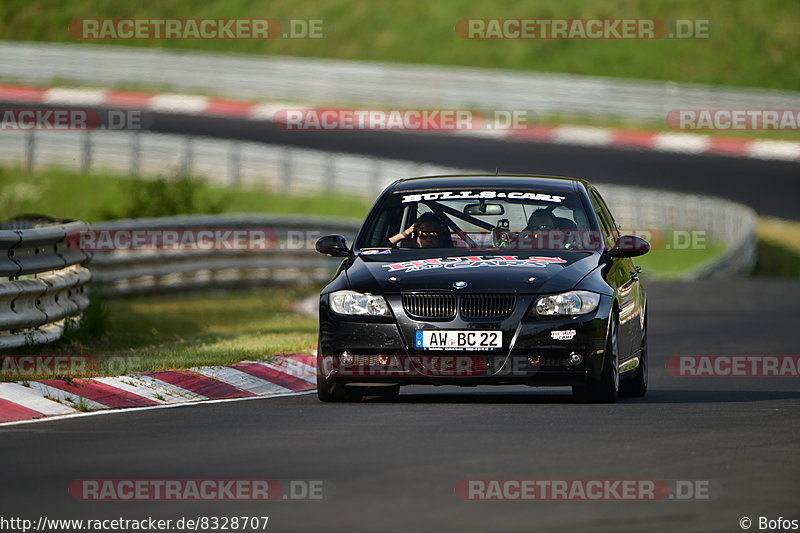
pixel 346 358
pixel 575 358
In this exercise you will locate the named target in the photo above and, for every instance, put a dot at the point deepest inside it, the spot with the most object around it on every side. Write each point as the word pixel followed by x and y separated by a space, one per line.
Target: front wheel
pixel 636 386
pixel 606 389
pixel 331 391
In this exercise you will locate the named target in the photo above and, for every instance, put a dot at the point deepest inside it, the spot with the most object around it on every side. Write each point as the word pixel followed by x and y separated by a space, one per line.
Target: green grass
pixel 224 327
pixel 94 197
pixel 91 197
pixel 182 331
pixel 660 126
pixel 751 43
pixel 778 248
pixel 671 264
pixel 217 328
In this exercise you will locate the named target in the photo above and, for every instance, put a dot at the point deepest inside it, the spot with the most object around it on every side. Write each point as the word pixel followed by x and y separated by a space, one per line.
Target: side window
pixel 385 226
pixel 609 215
pixel 606 222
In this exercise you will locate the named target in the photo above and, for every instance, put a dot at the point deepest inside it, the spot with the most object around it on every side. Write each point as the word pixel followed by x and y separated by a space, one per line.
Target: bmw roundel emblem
pixel 460 284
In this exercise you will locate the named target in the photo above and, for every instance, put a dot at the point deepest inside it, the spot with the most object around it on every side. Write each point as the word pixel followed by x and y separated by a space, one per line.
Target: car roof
pixel 475 181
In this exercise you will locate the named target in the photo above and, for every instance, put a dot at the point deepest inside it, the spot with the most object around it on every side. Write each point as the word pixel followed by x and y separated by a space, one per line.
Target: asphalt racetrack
pixel 771 187
pixel 394 465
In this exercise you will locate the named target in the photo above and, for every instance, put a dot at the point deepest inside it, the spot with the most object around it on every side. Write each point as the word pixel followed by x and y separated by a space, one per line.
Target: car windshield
pixel 497 219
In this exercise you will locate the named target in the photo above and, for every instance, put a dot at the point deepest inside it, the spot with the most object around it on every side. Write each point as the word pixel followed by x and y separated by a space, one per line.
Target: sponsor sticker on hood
pixel 563 335
pixel 473 261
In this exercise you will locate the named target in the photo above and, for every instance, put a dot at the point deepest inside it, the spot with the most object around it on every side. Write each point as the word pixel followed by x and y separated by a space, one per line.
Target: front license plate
pixel 458 340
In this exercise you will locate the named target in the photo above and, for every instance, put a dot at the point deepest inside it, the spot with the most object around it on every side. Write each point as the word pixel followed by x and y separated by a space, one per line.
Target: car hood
pixel 400 271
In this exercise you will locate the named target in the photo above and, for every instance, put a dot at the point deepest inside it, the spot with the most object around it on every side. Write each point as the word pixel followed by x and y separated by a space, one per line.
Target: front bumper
pixel 381 350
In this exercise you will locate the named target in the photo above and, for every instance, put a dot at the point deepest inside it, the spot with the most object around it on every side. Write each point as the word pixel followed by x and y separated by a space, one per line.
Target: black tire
pixel 606 389
pixel 636 385
pixel 331 391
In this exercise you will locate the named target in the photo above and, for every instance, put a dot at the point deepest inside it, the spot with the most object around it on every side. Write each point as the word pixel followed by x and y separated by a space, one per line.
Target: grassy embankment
pixel 752 44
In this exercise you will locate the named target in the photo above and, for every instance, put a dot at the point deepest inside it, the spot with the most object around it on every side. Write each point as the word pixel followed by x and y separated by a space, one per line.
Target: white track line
pixel 132 409
pixel 69 96
pixel 296 369
pixel 241 380
pixel 682 142
pixel 67 398
pixel 32 399
pixel 582 135
pixel 139 387
pixel 267 110
pixel 172 390
pixel 300 370
pixel 774 150
pixel 179 103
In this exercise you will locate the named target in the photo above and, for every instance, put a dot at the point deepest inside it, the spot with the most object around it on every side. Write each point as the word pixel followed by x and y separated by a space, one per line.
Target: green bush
pixel 164 197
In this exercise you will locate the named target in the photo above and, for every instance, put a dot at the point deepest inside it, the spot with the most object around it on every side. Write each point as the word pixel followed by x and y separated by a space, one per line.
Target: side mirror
pixel 333 245
pixel 629 246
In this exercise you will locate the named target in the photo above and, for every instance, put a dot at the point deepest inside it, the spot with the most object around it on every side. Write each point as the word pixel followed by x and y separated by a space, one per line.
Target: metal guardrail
pixel 290 257
pixel 33 310
pixel 282 169
pixel 365 83
pixel 719 220
pixel 42 280
pixel 291 170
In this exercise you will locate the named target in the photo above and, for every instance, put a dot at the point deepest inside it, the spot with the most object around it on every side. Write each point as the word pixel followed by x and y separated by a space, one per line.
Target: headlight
pixel 356 303
pixel 566 303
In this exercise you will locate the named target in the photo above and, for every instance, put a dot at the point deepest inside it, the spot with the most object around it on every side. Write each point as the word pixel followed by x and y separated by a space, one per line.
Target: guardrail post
pixel 30 151
pixel 136 153
pixel 235 163
pixel 186 163
pixel 330 173
pixel 286 164
pixel 86 151
pixel 376 177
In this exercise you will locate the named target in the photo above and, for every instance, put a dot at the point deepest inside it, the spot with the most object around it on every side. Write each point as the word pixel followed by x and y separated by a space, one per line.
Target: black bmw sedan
pixel 480 280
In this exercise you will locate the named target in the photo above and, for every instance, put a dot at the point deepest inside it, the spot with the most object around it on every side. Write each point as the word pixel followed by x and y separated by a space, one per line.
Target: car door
pixel 624 278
